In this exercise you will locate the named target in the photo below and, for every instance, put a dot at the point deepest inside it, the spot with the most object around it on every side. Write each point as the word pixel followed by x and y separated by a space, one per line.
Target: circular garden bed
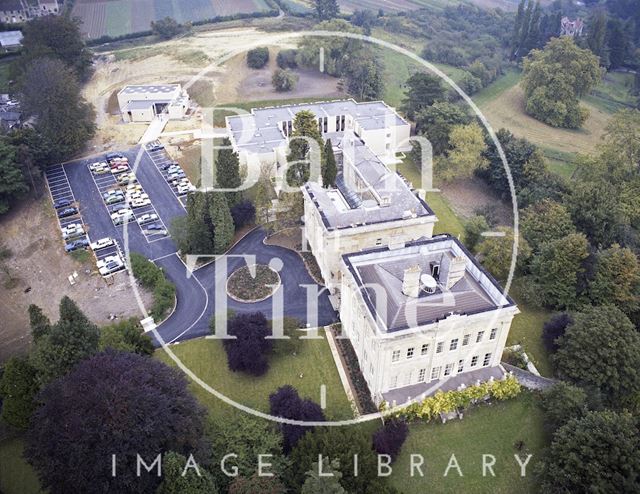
pixel 243 287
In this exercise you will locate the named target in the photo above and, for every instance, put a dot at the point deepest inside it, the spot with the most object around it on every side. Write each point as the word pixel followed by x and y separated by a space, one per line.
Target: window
pixel 493 334
pixel 448 369
pixel 435 372
pixel 422 375
pixel 410 352
pixel 393 382
pixel 460 365
pixel 379 241
pixel 487 358
pixel 395 356
pixel 425 349
pixel 342 118
pixel 474 361
pixel 453 345
pixel 465 339
pixel 479 337
pixel 440 347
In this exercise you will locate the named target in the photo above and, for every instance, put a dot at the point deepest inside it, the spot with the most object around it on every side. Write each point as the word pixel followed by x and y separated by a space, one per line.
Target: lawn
pixel 613 93
pixel 491 429
pixel 311 367
pixel 4 76
pixel 16 475
pixel 510 78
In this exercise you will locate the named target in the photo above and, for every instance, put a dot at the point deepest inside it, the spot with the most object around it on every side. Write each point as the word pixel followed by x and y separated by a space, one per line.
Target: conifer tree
pixel 329 168
pixel 222 221
pixel 228 172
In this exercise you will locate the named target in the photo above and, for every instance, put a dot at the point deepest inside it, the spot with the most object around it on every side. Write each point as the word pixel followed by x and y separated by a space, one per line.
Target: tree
pixel 64 120
pixel 618 41
pixel 388 440
pixel 114 403
pixel 12 182
pixel 198 225
pixel 557 267
pixel 496 253
pixel 553 329
pixel 365 19
pixel 616 279
pixel 596 36
pixel 597 337
pixel 248 351
pixel 436 122
pixel 223 227
pixel 177 479
pixel 286 403
pixel 329 167
pixel 258 57
pixel 284 80
pixel 168 28
pixel 595 453
pixel 622 136
pixel 423 90
pixel 72 339
pixel 243 213
pixel 327 9
pixel 55 37
pixel 126 336
pixel 473 229
pixel 470 84
pixel 286 59
pixel 544 222
pixel 246 437
pixel 327 483
pixel 563 402
pixel 39 323
pixel 466 154
pixel 555 78
pixel 364 77
pixel 228 172
pixel 255 484
pixel 305 125
pixel 18 389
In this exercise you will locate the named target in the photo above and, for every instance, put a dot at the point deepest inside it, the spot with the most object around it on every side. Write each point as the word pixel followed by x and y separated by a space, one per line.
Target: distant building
pixel 571 28
pixel 19 11
pixel 144 103
pixel 10 40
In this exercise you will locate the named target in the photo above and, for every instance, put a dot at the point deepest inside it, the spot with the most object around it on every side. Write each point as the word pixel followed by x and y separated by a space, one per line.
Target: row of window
pixel 453 345
pixel 436 372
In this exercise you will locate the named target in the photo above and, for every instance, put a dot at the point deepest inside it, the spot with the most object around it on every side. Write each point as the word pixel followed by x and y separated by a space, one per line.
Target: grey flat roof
pixel 151 89
pixel 475 292
pixel 402 202
pixel 144 104
pixel 10 38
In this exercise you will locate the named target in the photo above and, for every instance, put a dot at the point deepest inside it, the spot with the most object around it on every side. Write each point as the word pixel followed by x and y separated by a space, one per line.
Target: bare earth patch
pixel 472 196
pixel 244 287
pixel 39 268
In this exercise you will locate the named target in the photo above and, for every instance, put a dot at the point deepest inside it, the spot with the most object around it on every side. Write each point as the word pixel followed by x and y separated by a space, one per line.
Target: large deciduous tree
pixel 616 279
pixel 563 402
pixel 18 388
pixel 436 122
pixel 388 440
pixel 545 221
pixel 179 476
pixel 127 336
pixel 423 90
pixel 323 478
pixel 466 154
pixel 327 9
pixel 496 253
pixel 601 348
pixel 115 403
pixel 595 453
pixel 555 78
pixel 12 182
pixel 248 352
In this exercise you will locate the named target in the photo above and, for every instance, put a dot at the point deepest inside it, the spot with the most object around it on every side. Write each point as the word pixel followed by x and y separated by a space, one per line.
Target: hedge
pixel 153 278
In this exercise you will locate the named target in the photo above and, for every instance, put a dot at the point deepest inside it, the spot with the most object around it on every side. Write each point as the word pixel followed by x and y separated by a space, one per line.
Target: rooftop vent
pixel 457 267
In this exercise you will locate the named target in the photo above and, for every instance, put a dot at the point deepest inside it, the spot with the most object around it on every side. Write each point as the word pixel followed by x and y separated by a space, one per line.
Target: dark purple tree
pixel 248 352
pixel 243 213
pixel 286 403
pixel 388 440
pixel 553 329
pixel 115 403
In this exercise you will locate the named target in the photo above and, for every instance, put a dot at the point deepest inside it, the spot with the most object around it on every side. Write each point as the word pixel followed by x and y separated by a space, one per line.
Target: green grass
pixel 4 76
pixel 314 362
pixel 560 162
pixel 497 87
pixel 16 475
pixel 490 429
pixel 613 93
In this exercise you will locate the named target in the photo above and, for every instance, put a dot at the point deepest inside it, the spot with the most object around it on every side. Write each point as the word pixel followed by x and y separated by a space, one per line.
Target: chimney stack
pixel 411 281
pixel 457 267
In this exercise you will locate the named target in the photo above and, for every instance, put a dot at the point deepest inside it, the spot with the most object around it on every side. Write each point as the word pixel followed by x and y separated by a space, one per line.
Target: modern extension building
pixel 420 311
pixel 144 103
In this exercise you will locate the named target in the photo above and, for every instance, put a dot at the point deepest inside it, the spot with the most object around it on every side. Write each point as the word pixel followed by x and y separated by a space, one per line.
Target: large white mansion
pixel 420 311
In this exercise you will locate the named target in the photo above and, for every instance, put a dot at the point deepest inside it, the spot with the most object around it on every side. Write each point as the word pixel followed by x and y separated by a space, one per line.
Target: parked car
pixel 63 213
pixel 155 147
pixel 72 230
pixel 175 175
pixel 127 178
pixel 146 218
pixel 133 187
pixel 99 166
pixel 138 203
pixel 185 188
pixel 119 168
pixel 62 203
pixel 122 216
pixel 174 169
pixel 114 198
pixel 82 243
pixel 154 226
pixel 166 166
pixel 102 243
pixel 110 264
pixel 112 156
pixel 117 207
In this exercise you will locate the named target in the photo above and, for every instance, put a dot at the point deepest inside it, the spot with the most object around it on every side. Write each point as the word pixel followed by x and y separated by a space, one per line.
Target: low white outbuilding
pixel 144 103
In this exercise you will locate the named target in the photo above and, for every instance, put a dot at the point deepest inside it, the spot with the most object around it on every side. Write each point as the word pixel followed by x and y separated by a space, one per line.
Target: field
pixel 311 367
pixel 393 6
pixel 120 17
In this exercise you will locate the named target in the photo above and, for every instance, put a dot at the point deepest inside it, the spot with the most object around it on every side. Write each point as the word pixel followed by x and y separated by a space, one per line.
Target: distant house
pixel 18 11
pixel 144 103
pixel 571 28
pixel 10 40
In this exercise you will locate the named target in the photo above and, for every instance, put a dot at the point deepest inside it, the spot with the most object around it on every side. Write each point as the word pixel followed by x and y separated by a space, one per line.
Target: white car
pixel 134 187
pixel 127 179
pixel 138 203
pixel 147 218
pixel 185 188
pixel 110 264
pixel 73 230
pixel 99 168
pixel 102 243
pixel 137 195
pixel 119 169
pixel 122 216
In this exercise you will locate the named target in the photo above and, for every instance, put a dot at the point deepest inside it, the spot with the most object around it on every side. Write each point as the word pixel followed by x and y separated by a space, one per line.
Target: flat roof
pixel 380 272
pixel 10 38
pixel 160 89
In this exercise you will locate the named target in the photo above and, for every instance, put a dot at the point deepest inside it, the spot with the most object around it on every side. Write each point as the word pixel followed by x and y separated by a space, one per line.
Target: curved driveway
pixel 196 293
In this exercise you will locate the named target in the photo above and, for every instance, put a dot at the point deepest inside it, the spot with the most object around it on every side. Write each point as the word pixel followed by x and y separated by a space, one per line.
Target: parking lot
pixel 170 171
